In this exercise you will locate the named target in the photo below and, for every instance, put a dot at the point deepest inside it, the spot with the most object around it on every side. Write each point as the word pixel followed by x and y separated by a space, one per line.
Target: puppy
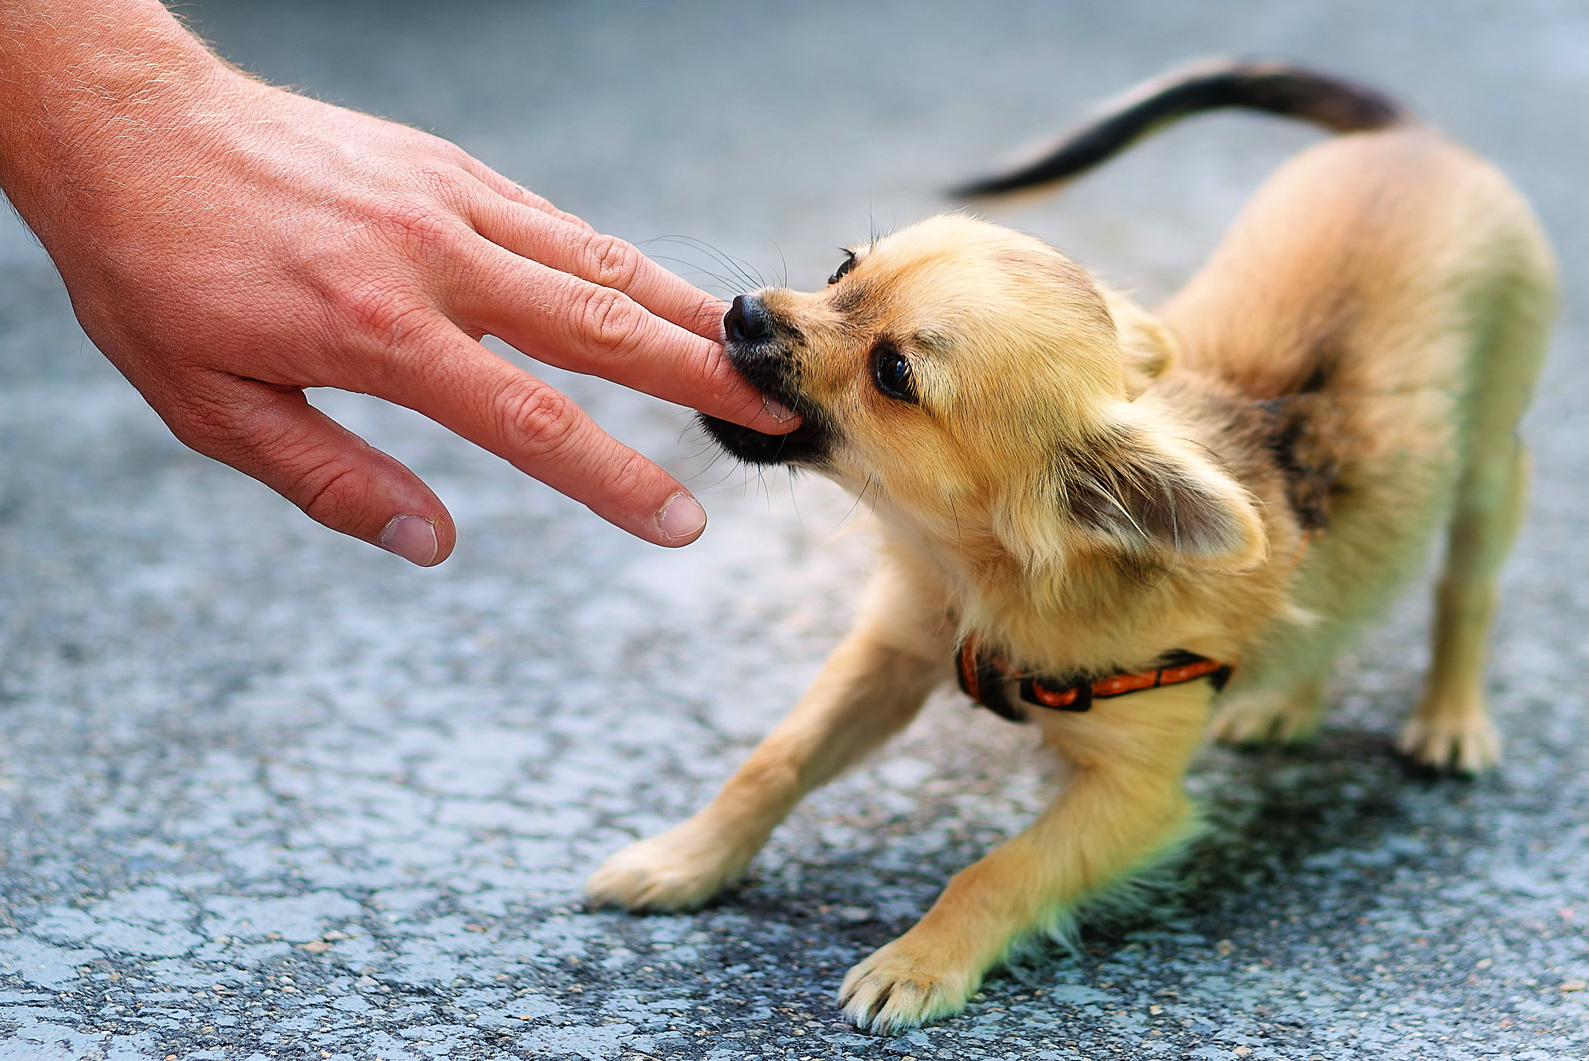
pixel 1131 527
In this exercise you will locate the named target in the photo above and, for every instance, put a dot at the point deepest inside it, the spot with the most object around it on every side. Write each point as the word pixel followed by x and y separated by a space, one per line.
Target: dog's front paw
pixel 904 985
pixel 677 870
pixel 1466 745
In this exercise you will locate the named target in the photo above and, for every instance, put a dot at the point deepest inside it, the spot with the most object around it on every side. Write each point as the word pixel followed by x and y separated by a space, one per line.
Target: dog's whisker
pixel 745 275
pixel 794 499
pixel 726 287
pixel 783 266
pixel 859 498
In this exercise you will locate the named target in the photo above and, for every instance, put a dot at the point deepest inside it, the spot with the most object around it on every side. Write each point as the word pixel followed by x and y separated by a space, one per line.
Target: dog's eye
pixel 891 372
pixel 844 267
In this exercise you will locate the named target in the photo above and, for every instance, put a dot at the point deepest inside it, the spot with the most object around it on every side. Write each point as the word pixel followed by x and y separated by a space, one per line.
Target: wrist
pixel 90 91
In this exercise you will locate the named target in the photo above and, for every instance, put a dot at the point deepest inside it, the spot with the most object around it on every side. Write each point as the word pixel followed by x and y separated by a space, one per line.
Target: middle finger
pixel 586 327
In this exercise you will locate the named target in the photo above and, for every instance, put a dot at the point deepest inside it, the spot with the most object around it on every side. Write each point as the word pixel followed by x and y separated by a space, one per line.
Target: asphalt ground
pixel 269 793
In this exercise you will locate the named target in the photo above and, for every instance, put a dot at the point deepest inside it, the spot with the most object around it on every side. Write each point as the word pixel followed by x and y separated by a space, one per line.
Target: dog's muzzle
pixel 761 347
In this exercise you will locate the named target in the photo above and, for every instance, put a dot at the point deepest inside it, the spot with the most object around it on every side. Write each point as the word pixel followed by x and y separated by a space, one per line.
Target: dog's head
pixel 969 379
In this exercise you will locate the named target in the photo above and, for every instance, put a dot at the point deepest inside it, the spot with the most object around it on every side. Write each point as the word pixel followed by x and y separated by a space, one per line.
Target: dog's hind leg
pixel 871 687
pixel 1122 808
pixel 1450 729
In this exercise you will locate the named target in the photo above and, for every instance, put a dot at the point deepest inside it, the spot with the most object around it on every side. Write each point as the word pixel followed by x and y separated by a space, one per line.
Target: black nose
pixel 747 320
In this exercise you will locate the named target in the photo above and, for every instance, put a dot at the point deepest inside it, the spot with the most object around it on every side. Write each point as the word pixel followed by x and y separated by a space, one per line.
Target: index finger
pixel 583 326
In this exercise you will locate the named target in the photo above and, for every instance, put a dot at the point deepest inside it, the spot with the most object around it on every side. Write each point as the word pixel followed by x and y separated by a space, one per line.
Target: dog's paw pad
pixel 656 874
pixel 1468 746
pixel 897 989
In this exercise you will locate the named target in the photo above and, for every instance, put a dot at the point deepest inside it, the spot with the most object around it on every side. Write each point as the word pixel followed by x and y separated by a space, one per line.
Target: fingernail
pixel 411 537
pixel 681 517
pixel 777 410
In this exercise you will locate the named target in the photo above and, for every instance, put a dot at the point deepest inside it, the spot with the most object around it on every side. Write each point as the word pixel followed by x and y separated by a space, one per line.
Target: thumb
pixel 274 435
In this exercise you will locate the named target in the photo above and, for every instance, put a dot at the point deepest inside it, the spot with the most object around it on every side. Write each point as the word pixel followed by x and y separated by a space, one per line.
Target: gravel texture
pixel 268 793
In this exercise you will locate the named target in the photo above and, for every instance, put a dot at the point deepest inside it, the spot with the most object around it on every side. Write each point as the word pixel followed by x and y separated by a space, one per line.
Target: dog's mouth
pixel 758 345
pixel 806 444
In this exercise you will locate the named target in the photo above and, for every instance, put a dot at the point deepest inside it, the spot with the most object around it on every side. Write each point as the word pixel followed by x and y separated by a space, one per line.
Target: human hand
pixel 227 244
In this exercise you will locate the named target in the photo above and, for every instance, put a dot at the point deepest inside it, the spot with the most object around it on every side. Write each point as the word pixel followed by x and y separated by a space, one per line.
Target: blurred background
pixel 269 791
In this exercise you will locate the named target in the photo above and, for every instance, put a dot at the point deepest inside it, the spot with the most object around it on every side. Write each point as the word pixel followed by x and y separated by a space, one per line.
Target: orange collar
pixel 983 678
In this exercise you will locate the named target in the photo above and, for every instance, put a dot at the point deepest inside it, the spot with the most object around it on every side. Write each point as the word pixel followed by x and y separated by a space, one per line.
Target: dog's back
pixel 1396 319
pixel 1384 299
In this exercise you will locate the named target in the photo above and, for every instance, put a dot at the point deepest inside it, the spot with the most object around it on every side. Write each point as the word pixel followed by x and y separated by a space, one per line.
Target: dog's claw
pixel 1469 746
pixel 896 989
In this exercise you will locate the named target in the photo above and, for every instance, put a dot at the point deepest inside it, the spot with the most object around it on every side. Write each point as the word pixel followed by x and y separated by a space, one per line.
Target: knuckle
pixel 204 426
pixel 416 224
pixel 630 475
pixel 611 261
pixel 324 493
pixel 212 416
pixel 383 314
pixel 538 418
pixel 610 320
pixel 450 154
pixel 444 177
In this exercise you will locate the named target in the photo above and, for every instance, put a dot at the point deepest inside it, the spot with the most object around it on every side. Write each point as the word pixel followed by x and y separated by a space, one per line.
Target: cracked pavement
pixel 268 793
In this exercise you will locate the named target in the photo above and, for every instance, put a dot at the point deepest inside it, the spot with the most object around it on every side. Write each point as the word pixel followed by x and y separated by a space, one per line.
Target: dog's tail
pixel 1276 87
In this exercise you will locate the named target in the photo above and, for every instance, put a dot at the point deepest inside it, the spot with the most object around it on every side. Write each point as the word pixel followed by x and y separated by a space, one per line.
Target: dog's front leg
pixel 871 687
pixel 1122 807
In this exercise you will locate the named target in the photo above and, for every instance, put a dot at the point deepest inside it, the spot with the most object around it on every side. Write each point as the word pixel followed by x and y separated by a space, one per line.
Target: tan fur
pixel 1085 485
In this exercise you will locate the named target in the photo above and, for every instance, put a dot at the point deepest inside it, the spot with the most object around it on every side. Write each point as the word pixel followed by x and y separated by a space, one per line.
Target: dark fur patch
pixel 807 445
pixel 1300 431
pixel 1315 382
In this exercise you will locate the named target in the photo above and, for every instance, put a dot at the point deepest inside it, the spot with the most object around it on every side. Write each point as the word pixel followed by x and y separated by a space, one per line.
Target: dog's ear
pixel 1155 497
